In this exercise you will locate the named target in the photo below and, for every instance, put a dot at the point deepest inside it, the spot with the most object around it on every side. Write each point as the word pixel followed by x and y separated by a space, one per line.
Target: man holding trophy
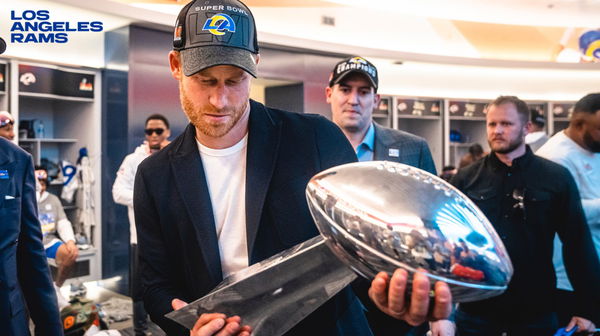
pixel 229 191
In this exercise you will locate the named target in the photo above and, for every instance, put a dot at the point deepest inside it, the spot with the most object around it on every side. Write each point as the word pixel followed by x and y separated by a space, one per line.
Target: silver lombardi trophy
pixel 373 216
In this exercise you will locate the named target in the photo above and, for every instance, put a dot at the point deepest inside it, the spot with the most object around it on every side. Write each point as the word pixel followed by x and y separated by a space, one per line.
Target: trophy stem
pixel 274 295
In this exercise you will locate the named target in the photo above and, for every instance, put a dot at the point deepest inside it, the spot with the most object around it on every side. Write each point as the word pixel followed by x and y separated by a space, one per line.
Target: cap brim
pixel 345 74
pixel 200 58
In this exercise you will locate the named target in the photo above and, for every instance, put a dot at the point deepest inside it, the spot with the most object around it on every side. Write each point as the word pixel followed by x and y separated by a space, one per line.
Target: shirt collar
pixel 518 163
pixel 369 139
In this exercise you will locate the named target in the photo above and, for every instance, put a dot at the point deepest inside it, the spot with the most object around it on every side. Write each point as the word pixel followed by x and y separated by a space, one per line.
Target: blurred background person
pixel 156 133
pixel 57 232
pixel 537 136
pixel 7 123
pixel 578 149
pixel 475 153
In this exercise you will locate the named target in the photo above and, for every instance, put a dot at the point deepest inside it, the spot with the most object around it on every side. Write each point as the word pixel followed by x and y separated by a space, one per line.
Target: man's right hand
pixel 389 296
pixel 215 324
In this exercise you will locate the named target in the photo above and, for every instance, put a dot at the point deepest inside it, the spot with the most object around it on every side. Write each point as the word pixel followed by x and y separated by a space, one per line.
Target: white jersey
pixel 585 168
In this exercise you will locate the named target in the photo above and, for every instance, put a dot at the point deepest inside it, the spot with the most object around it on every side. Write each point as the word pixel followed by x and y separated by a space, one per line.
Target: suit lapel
pixel 7 170
pixel 263 144
pixel 191 184
pixel 381 146
pixel 386 146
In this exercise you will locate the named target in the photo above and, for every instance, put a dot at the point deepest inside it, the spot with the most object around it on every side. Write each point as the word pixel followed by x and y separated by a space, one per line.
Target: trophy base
pixel 274 295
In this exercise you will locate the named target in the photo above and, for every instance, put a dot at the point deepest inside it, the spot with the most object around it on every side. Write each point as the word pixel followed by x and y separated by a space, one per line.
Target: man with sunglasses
pixel 156 133
pixel 7 123
pixel 528 200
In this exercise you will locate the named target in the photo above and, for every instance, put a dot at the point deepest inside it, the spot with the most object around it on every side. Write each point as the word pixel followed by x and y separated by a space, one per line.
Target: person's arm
pixel 158 278
pixel 579 254
pixel 122 189
pixel 63 225
pixel 34 274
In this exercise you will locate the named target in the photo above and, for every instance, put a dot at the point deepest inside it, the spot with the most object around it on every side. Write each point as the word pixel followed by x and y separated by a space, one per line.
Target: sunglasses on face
pixel 6 122
pixel 41 175
pixel 158 131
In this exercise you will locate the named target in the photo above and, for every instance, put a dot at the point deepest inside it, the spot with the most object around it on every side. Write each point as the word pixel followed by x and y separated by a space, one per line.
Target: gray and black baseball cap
pixel 216 32
pixel 351 65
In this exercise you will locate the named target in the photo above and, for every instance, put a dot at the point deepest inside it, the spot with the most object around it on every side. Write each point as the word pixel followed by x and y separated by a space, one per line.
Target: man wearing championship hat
pixel 352 94
pixel 229 191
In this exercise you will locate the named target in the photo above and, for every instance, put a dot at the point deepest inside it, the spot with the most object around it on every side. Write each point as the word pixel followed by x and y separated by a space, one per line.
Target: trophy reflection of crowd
pixel 415 247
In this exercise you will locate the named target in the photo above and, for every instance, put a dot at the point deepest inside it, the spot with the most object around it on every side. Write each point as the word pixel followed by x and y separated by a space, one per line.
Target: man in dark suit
pixel 352 94
pixel 230 191
pixel 25 283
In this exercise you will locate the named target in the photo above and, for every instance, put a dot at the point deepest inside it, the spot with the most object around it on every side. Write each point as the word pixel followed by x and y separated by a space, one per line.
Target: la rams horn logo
pixel 358 60
pixel 219 23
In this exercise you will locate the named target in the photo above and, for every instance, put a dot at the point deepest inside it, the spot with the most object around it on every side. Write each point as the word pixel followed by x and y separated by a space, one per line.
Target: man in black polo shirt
pixel 528 199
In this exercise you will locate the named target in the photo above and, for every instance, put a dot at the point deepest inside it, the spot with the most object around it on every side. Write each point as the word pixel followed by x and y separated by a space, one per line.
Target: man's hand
pixel 389 296
pixel 215 324
pixel 72 249
pixel 67 254
pixel 584 326
pixel 442 328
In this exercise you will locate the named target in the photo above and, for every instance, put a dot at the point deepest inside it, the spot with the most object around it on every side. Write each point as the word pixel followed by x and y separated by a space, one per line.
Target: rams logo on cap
pixel 218 23
pixel 357 60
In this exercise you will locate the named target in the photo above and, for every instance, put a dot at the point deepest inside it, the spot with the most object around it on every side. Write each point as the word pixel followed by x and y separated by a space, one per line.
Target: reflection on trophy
pixel 373 216
pixel 379 216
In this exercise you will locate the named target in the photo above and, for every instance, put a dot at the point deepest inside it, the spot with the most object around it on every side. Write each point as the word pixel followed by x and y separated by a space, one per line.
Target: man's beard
pixel 592 146
pixel 512 145
pixel 215 130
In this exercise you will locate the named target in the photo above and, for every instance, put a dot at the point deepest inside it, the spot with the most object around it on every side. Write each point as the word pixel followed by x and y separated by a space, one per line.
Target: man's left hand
pixel 389 296
pixel 72 249
pixel 584 326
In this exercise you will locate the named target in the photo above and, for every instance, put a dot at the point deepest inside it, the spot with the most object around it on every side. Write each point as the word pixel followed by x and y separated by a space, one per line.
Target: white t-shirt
pixel 585 168
pixel 225 171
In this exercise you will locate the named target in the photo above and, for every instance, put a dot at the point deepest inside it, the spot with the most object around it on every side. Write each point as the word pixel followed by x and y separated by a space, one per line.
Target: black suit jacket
pixel 24 274
pixel 179 253
pixel 410 149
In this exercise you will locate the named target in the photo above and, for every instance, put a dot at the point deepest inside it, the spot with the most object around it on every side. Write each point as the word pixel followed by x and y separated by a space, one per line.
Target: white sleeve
pixel 65 230
pixel 122 189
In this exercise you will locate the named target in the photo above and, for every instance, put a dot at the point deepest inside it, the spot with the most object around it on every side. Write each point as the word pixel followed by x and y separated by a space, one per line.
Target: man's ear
pixel 328 92
pixel 376 100
pixel 578 120
pixel 527 128
pixel 175 64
